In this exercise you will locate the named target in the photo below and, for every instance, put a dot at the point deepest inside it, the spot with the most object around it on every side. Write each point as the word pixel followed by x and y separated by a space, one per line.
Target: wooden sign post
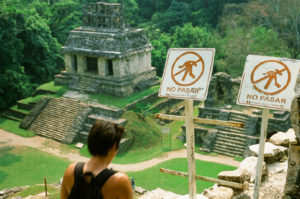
pixel 262 140
pixel 190 141
pixel 186 76
pixel 268 83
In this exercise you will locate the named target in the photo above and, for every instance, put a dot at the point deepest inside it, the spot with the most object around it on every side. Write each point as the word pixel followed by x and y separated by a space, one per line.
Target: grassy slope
pixel 50 86
pixel 13 126
pixel 147 135
pixel 21 166
pixel 152 178
pixel 122 102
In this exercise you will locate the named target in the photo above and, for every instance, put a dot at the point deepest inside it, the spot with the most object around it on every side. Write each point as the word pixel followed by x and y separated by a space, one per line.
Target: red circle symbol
pixel 270 77
pixel 187 69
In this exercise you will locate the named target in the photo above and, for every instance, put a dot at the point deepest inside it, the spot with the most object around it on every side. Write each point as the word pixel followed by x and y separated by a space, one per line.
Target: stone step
pixel 233 130
pixel 87 127
pixel 55 124
pixel 228 153
pixel 51 134
pixel 237 146
pixel 51 128
pixel 65 104
pixel 237 134
pixel 231 140
pixel 54 117
pixel 238 114
pixel 57 118
pixel 238 120
pixel 83 135
pixel 60 112
pixel 233 134
pixel 93 117
pixel 112 112
pixel 227 147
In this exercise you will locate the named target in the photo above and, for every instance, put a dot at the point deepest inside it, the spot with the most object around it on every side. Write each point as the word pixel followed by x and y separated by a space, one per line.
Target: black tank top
pixel 88 190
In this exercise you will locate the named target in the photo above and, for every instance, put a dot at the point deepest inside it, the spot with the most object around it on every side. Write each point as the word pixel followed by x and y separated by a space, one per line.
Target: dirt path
pixel 56 148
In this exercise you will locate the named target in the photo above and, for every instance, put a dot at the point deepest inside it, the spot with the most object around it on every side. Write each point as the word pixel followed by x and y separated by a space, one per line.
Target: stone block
pixel 284 139
pixel 272 152
pixel 218 193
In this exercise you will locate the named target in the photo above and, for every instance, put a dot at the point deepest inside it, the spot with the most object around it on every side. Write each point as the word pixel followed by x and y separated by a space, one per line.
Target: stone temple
pixel 103 56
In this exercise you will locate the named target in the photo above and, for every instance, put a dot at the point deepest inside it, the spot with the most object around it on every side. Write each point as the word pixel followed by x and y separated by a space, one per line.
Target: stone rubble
pixel 218 193
pixel 272 152
pixel 245 173
pixel 8 192
pixel 284 139
pixel 162 194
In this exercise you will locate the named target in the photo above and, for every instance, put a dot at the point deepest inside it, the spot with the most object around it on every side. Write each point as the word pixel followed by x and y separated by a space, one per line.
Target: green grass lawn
pixel 151 178
pixel 122 102
pixel 13 126
pixel 20 166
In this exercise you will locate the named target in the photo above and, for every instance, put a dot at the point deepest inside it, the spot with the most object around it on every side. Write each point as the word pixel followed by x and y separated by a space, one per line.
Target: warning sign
pixel 268 82
pixel 187 73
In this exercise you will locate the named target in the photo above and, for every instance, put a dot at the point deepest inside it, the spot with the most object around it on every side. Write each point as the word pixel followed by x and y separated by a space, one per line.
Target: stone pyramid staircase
pixel 232 141
pixel 87 84
pixel 57 119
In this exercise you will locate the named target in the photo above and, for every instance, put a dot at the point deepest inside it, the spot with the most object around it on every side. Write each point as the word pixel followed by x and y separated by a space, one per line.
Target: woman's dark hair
pixel 103 135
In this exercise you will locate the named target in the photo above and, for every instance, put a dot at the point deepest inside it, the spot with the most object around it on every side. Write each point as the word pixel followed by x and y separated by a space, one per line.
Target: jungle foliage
pixel 33 31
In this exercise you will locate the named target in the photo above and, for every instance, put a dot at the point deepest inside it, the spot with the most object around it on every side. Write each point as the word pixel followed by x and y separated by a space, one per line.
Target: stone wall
pixel 120 87
pixel 292 186
pixel 222 88
pixel 134 64
pixel 34 112
pixel 76 127
pixel 280 121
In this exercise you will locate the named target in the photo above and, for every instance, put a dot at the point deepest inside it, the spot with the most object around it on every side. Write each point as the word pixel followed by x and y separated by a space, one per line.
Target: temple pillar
pixel 81 60
pixel 68 63
pixel 102 67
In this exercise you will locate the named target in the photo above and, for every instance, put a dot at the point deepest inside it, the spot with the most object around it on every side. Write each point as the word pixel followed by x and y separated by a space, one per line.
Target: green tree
pixel 176 15
pixel 189 36
pixel 28 54
pixel 233 49
pixel 282 16
pixel 66 15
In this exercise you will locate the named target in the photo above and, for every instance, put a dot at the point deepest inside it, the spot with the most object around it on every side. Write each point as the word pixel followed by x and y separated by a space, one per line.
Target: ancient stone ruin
pixel 103 56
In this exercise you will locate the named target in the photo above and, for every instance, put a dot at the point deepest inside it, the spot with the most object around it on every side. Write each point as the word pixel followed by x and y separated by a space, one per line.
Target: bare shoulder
pixel 70 171
pixel 120 178
pixel 118 186
pixel 68 181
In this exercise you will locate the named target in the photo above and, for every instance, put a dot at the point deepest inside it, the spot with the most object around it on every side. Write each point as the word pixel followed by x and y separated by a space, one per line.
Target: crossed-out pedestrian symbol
pixel 270 77
pixel 187 69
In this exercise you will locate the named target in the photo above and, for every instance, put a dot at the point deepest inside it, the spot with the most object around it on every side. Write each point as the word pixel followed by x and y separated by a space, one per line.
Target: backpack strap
pixel 78 171
pixel 102 177
pixel 100 180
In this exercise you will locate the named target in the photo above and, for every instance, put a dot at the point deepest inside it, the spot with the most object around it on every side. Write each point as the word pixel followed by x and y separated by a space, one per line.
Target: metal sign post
pixel 262 140
pixel 190 141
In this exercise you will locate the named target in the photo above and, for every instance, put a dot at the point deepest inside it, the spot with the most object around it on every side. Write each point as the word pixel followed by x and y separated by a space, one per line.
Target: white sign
pixel 187 73
pixel 268 82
